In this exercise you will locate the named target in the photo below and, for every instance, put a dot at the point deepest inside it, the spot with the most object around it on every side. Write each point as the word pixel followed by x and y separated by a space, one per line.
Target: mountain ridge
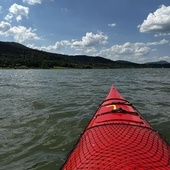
pixel 16 55
pixel 158 62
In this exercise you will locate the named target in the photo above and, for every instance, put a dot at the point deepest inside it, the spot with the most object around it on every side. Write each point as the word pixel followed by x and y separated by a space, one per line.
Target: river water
pixel 43 112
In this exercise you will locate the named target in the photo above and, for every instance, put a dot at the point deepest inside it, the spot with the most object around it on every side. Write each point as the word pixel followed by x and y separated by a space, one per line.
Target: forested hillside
pixel 15 55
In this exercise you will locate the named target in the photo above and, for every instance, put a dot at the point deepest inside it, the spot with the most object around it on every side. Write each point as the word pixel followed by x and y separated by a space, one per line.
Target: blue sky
pixel 137 31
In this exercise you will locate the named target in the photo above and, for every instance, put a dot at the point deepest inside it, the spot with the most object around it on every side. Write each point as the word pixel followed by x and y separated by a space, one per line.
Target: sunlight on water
pixel 43 112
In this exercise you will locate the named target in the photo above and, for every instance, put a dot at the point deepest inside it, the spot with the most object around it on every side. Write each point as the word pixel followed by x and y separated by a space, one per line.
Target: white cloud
pixel 165 58
pixel 4 27
pixel 91 40
pixel 125 51
pixel 112 25
pixel 88 43
pixel 56 46
pixel 32 2
pixel 8 17
pixel 161 42
pixel 18 11
pixel 20 33
pixel 159 21
pixel 137 52
pixel 162 34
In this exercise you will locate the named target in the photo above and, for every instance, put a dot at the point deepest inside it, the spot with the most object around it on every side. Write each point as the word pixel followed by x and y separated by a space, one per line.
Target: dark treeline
pixel 14 55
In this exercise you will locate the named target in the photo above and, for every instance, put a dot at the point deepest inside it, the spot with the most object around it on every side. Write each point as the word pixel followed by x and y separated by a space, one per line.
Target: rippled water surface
pixel 43 112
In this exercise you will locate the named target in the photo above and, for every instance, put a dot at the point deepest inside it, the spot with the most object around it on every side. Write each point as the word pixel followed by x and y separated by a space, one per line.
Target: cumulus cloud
pixel 56 46
pixel 88 43
pixel 18 11
pixel 112 25
pixel 32 2
pixel 19 33
pixel 4 27
pixel 159 21
pixel 127 50
pixel 161 42
pixel 91 40
pixel 8 17
pixel 162 34
pixel 165 58
pixel 132 51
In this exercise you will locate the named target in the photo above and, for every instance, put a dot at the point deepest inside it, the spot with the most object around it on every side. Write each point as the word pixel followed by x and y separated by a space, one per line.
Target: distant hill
pixel 158 62
pixel 15 55
pixel 11 47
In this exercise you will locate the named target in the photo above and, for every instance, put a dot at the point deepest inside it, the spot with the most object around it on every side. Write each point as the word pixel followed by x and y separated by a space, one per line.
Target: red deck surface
pixel 118 138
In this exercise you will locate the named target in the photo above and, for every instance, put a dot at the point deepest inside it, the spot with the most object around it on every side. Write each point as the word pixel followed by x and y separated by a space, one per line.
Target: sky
pixel 131 30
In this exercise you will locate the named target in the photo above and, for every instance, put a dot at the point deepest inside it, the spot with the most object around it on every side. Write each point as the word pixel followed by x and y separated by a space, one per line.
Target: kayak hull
pixel 117 137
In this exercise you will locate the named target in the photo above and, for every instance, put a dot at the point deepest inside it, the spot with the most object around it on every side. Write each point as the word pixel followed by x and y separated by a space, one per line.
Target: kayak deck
pixel 118 137
pixel 119 146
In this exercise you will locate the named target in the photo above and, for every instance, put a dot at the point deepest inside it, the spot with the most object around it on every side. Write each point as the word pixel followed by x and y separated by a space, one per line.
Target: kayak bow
pixel 118 137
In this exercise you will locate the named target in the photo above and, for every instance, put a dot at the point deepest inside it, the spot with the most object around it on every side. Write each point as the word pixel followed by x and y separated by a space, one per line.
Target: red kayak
pixel 119 138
